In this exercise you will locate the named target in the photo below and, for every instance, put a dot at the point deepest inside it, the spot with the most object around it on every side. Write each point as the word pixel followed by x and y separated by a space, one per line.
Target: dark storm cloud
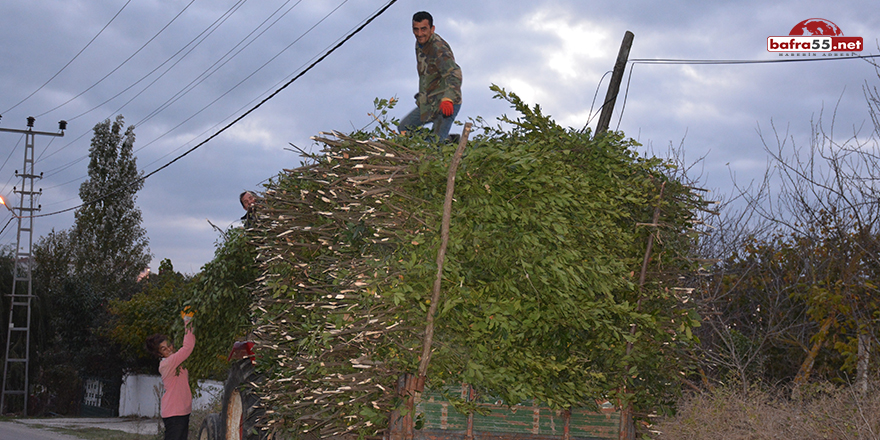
pixel 552 53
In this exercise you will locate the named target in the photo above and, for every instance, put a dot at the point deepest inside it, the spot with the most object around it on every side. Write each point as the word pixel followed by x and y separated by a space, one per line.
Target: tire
pixel 210 429
pixel 241 406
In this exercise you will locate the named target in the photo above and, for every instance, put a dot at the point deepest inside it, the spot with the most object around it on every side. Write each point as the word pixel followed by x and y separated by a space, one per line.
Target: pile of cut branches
pixel 547 292
pixel 327 231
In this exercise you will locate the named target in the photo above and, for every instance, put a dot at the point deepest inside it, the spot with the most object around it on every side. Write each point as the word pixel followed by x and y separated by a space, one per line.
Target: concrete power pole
pixel 18 335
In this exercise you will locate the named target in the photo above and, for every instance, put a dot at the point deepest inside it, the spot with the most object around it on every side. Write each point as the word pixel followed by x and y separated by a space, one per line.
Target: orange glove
pixel 446 107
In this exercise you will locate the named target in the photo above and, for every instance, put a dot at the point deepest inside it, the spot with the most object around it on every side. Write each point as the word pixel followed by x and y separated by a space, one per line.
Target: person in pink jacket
pixel 177 400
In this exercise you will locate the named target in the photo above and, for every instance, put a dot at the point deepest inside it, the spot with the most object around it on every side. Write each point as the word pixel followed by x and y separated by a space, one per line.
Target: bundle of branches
pixel 333 346
pixel 542 293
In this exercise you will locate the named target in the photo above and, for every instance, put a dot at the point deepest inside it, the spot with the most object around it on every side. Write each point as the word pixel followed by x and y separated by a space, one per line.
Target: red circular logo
pixel 816 26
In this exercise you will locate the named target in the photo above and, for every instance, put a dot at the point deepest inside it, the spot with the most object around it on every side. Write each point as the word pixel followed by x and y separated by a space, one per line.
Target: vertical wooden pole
pixel 401 425
pixel 441 254
pixel 469 431
pixel 566 430
pixel 614 86
pixel 626 430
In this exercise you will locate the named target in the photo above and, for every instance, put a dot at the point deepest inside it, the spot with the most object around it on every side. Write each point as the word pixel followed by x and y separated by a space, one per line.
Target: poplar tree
pixel 80 270
pixel 111 245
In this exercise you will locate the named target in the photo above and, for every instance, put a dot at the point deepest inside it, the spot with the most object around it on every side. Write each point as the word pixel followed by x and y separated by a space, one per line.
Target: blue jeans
pixel 441 124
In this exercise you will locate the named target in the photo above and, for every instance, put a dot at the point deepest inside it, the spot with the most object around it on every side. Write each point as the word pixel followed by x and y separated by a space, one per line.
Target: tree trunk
pixel 864 361
pixel 806 369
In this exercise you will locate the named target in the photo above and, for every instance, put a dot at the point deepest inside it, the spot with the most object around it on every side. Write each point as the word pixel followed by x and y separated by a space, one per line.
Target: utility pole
pixel 614 86
pixel 18 335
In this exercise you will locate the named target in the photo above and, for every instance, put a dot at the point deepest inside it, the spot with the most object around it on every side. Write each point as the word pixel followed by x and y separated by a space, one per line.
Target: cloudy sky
pixel 180 70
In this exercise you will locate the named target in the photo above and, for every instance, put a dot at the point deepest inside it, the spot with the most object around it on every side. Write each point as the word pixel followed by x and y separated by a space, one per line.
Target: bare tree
pixel 826 205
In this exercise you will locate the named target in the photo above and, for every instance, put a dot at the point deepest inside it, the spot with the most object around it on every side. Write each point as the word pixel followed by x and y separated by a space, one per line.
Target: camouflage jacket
pixel 439 77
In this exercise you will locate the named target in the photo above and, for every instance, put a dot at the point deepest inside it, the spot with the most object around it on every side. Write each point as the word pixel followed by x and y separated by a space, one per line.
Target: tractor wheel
pixel 210 429
pixel 241 406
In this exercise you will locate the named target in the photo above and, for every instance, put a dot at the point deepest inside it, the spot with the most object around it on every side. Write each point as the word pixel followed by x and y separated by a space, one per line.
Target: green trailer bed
pixel 440 420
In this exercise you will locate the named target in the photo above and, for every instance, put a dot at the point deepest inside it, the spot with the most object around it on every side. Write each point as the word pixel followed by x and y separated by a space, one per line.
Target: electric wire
pixel 202 77
pixel 239 118
pixel 203 35
pixel 123 63
pixel 225 58
pixel 724 62
pixel 72 59
pixel 4 226
pixel 265 64
pixel 277 84
pixel 212 27
pixel 635 61
pixel 235 87
pixel 11 150
pixel 209 104
pixel 625 95
pixel 60 168
pixel 592 115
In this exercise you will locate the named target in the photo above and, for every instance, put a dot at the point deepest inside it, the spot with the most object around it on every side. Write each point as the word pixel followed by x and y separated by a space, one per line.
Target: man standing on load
pixel 439 97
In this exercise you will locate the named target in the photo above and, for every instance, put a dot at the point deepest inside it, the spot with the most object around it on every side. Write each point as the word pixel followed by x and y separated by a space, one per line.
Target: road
pixel 18 431
pixel 40 429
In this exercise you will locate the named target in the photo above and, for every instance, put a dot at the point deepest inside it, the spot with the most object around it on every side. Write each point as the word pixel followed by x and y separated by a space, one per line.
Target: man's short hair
pixel 241 197
pixel 422 16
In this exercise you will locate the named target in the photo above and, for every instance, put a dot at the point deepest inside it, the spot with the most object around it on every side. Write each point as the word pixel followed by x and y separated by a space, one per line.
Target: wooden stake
pixel 441 255
pixel 626 429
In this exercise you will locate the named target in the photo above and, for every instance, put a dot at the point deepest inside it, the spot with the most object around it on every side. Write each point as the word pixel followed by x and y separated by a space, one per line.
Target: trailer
pixel 427 415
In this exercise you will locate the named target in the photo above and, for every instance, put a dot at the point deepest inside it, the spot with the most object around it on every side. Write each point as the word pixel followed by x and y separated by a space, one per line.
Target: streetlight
pixel 3 202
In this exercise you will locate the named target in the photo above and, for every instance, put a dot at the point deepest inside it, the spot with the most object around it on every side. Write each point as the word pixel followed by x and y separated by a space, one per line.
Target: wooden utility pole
pixel 614 86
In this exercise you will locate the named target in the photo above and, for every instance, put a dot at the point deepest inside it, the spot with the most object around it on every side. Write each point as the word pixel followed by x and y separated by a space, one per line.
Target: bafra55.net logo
pixel 814 35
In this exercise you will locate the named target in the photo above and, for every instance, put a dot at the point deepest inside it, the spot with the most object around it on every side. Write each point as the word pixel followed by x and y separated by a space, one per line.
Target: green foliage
pixel 541 267
pixel 68 322
pixel 110 243
pixel 385 125
pixel 218 294
pixel 79 271
pixel 150 311
pixel 221 300
pixel 540 295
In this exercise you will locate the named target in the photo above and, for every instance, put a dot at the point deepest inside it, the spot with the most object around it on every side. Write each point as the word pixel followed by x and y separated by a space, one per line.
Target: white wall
pixel 140 395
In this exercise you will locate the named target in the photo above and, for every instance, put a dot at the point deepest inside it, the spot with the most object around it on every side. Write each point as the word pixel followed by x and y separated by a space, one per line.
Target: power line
pixel 225 58
pixel 267 91
pixel 11 218
pixel 199 79
pixel 72 59
pixel 238 84
pixel 635 61
pixel 212 27
pixel 244 115
pixel 723 62
pixel 123 63
pixel 202 77
pixel 12 150
pixel 591 115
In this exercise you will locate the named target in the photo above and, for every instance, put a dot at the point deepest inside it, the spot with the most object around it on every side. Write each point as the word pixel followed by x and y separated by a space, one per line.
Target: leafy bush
pixel 542 290
pixel 218 294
